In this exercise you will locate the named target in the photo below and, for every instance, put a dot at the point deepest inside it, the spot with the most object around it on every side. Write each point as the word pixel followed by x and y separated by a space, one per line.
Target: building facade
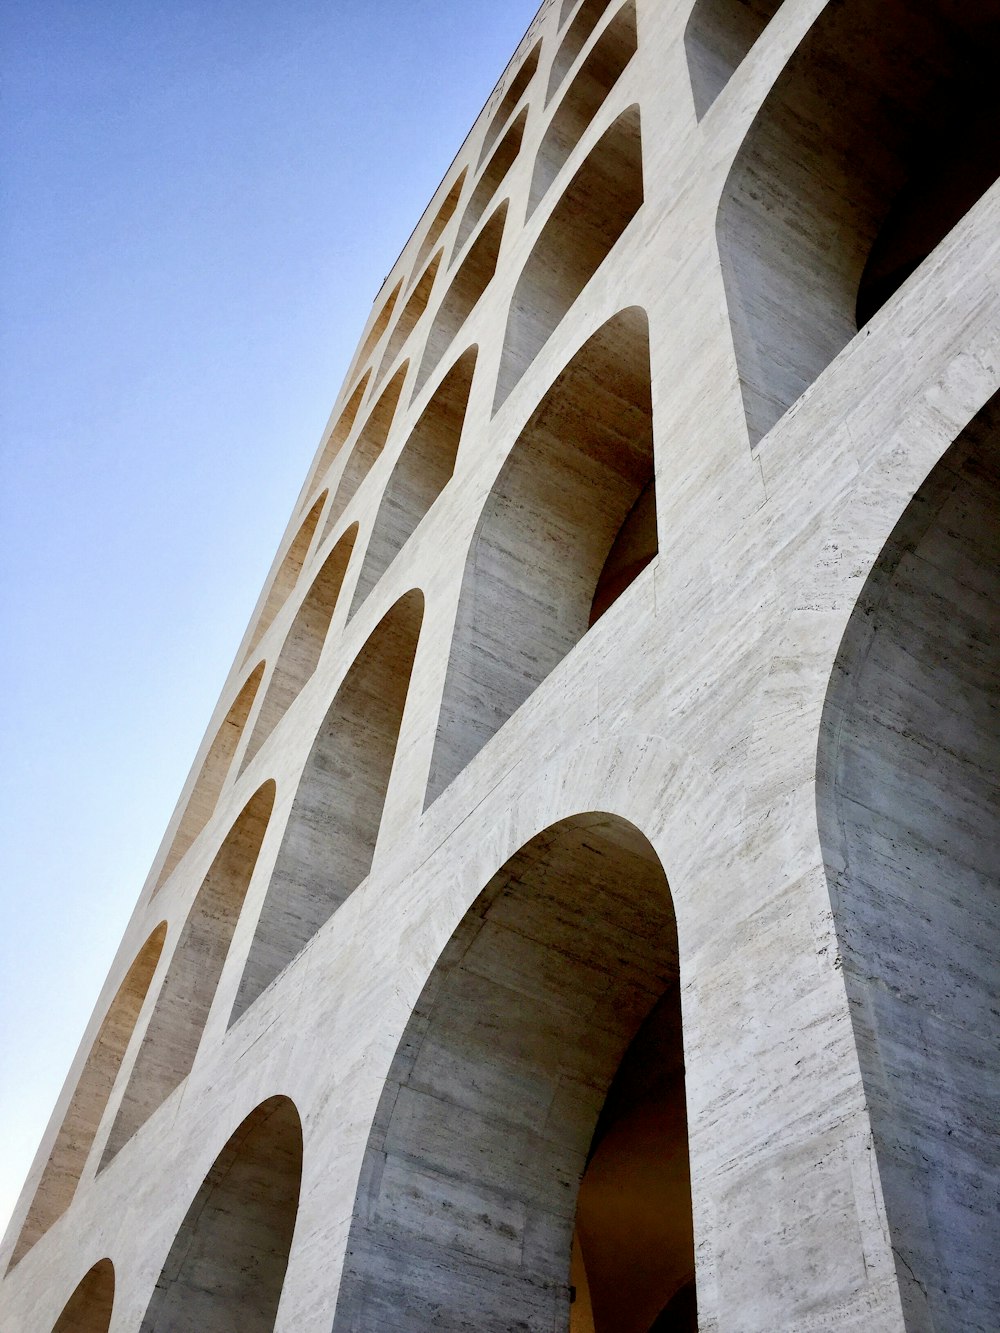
pixel 583 910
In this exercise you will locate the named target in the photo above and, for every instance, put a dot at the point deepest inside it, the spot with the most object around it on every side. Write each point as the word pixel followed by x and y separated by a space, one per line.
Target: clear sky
pixel 200 200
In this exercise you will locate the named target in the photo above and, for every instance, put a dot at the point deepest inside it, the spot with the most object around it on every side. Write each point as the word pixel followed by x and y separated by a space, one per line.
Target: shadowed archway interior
pixel 908 786
pixel 227 1264
pixel 528 1164
pixel 89 1309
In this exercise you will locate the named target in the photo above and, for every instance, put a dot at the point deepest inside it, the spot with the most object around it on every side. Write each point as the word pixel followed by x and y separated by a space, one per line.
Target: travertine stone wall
pixel 633 589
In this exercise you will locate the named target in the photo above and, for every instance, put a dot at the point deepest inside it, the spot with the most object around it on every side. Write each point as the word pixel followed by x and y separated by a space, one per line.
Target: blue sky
pixel 198 204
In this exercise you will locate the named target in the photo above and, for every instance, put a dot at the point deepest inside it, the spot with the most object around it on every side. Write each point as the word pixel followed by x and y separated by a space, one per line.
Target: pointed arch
pixel 561 535
pixel 78 1130
pixel 583 99
pixel 874 141
pixel 367 448
pixel 422 471
pixel 174 1033
pixel 718 36
pixel 287 573
pixel 510 101
pixel 467 286
pixel 908 806
pixel 536 1096
pixel 90 1307
pixel 494 175
pixel 226 1267
pixel 329 841
pixel 584 227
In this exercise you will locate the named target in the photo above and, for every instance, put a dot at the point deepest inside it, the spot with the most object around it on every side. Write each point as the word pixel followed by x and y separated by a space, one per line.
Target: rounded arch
pixel 441 220
pixel 78 1130
pixel 569 523
pixel 718 35
pixel 329 840
pixel 342 429
pixel 212 777
pixel 512 97
pixel 409 315
pixel 287 573
pixel 874 141
pixel 585 225
pixel 493 176
pixel 908 806
pixel 300 653
pixel 421 472
pixel 226 1267
pixel 367 448
pixel 531 1141
pixel 89 1309
pixel 174 1033
pixel 577 35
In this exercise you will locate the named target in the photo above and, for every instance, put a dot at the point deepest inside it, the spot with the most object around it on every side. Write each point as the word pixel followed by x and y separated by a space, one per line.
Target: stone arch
pixel 470 281
pixel 873 142
pixel 329 841
pixel 494 175
pixel 908 804
pixel 343 427
pixel 380 325
pixel 422 471
pixel 287 573
pixel 590 217
pixel 511 99
pixel 300 653
pixel 226 1267
pixel 718 35
pixel 583 99
pixel 532 1134
pixel 89 1309
pixel 441 220
pixel 577 35
pixel 172 1038
pixel 569 523
pixel 367 448
pixel 78 1130
pixel 410 314
pixel 211 779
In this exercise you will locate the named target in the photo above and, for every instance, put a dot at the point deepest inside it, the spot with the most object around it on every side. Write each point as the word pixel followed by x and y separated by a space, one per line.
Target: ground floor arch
pixel 528 1164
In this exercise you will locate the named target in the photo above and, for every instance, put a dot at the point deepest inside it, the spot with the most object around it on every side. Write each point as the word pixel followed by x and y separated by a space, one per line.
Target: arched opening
pixel 83 1116
pixel 577 34
pixel 89 1309
pixel 875 139
pixel 530 1144
pixel 422 471
pixel 367 448
pixel 583 99
pixel 330 838
pixel 411 312
pixel 908 789
pixel 494 175
pixel 288 573
pixel 300 653
pixel 719 34
pixel 171 1041
pixel 379 327
pixel 227 1264
pixel 467 286
pixel 214 771
pixel 564 531
pixel 441 220
pixel 598 204
pixel 511 98
pixel 343 428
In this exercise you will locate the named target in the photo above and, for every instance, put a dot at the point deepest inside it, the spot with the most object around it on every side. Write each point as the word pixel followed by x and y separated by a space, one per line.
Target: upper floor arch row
pixel 876 138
